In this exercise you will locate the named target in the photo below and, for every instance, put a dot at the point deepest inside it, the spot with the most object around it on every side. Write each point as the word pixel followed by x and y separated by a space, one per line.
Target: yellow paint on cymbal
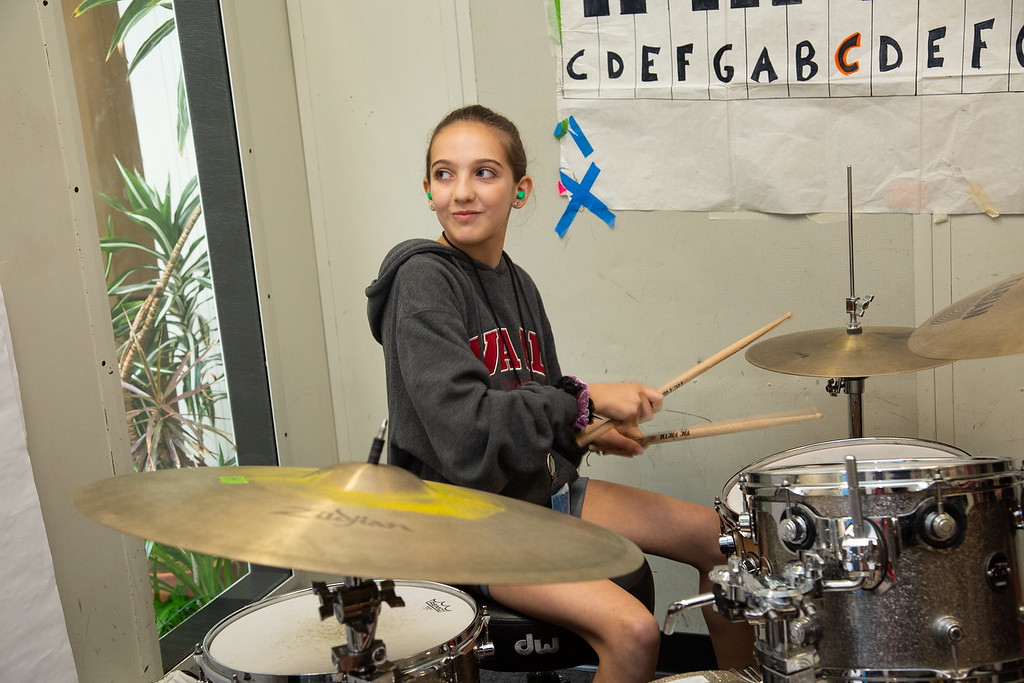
pixel 367 487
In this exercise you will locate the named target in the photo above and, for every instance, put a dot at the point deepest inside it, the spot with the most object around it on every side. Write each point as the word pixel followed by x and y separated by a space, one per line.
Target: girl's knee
pixel 639 632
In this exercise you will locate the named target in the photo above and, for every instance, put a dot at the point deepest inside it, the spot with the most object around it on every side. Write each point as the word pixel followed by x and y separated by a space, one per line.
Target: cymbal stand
pixel 356 604
pixel 855 308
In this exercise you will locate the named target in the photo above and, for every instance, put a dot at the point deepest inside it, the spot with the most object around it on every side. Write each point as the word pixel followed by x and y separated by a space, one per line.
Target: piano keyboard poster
pixel 762 104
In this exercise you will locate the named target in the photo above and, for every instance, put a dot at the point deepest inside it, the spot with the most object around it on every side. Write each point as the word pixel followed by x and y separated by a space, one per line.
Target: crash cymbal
pixel 985 324
pixel 357 519
pixel 836 353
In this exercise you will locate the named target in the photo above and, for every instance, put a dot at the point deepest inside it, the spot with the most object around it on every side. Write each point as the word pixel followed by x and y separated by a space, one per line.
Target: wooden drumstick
pixel 730 427
pixel 701 367
pixel 714 360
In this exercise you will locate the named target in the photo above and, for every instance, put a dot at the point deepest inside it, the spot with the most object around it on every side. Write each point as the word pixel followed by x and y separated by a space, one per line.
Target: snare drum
pixel 945 601
pixel 431 639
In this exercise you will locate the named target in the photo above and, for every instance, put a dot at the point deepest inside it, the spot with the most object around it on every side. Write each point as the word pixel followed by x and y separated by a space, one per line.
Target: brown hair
pixel 476 113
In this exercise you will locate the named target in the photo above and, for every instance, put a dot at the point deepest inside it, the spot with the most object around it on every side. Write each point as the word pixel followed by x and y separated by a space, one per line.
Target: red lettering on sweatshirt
pixel 496 353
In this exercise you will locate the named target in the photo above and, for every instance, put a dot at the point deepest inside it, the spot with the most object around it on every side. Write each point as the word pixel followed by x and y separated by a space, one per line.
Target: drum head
pixel 824 464
pixel 285 636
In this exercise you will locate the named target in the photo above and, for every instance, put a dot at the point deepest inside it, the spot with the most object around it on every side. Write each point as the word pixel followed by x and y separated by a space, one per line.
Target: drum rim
pixel 460 642
pixel 830 479
pixel 991 672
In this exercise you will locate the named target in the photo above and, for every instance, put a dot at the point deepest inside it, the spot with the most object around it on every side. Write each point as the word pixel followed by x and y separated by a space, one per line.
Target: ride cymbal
pixel 985 324
pixel 357 519
pixel 836 353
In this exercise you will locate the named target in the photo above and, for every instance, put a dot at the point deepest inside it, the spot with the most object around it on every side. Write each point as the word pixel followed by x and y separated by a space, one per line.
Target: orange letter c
pixel 841 63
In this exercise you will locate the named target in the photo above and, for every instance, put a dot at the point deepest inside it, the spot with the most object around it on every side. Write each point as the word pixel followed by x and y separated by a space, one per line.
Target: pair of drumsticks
pixel 714 428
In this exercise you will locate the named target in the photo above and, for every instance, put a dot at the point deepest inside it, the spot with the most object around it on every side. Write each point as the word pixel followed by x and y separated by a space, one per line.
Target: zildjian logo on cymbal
pixel 337 516
pixel 989 300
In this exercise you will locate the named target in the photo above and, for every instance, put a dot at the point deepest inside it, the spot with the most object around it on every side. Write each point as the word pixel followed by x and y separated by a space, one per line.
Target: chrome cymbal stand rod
pixel 849 223
pixel 854 388
pixel 855 307
pixel 855 391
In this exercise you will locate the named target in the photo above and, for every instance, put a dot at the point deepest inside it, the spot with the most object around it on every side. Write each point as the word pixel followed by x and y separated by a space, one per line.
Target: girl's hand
pixel 629 403
pixel 619 441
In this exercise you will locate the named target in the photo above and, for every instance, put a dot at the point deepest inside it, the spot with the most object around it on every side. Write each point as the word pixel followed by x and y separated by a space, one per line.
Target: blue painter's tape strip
pixel 581 140
pixel 583 197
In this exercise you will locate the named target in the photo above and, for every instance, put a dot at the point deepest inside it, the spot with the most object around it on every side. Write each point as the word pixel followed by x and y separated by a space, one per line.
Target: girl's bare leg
pixel 680 531
pixel 619 627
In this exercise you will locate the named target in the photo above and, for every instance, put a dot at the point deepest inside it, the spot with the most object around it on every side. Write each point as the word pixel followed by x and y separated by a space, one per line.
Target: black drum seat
pixel 522 643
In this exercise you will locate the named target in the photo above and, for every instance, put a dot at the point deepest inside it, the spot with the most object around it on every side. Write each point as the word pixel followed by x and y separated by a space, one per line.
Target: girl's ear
pixel 524 188
pixel 430 199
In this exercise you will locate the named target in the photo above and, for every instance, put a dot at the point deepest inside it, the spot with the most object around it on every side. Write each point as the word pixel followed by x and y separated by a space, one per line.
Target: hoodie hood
pixel 379 291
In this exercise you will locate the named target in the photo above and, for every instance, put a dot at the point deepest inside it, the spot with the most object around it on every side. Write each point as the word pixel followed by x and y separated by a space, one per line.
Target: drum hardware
pixel 727 541
pixel 748 675
pixel 948 632
pixel 797 528
pixel 854 389
pixel 940 525
pixel 736 536
pixel 859 549
pixel 924 520
pixel 800 528
pixel 856 306
pixel 999 572
pixel 782 609
pixel 356 604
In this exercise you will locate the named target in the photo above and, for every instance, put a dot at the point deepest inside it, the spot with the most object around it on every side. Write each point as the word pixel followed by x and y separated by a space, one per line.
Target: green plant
pixel 169 367
pixel 178 261
pixel 130 18
pixel 165 436
pixel 184 581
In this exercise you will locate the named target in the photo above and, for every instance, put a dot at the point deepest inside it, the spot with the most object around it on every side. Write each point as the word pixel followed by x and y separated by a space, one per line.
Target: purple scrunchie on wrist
pixel 583 403
pixel 580 389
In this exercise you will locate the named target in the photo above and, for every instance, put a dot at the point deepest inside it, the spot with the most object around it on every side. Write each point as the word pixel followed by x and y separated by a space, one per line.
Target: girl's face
pixel 472 188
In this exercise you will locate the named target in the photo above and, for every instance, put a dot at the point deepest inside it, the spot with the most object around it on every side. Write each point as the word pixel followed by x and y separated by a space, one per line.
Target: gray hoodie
pixel 470 373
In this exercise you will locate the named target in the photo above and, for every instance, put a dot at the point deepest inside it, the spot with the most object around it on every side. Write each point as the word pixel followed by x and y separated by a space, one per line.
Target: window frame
pixel 211 110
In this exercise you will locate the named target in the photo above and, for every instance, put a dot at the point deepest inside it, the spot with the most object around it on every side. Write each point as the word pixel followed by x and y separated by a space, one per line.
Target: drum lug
pixel 940 524
pixel 797 528
pixel 727 544
pixel 947 631
pixel 733 533
pixel 483 650
pixel 199 658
